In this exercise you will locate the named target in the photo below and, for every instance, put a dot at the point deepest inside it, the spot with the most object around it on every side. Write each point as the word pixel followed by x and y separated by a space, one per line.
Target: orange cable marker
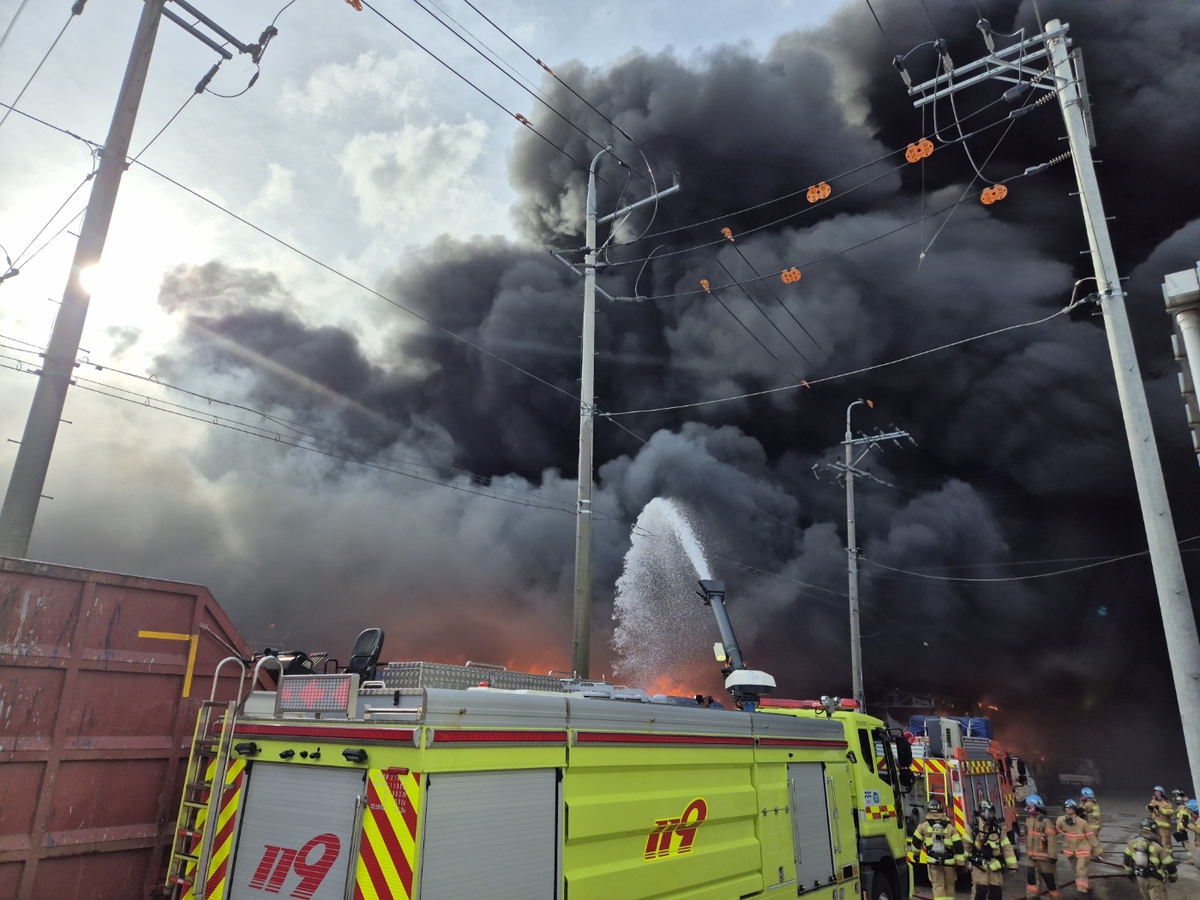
pixel 357 4
pixel 728 233
pixel 704 284
pixel 790 276
pixel 520 118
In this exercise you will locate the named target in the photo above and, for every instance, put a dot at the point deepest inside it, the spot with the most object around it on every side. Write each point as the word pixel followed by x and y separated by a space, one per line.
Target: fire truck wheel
pixel 882 887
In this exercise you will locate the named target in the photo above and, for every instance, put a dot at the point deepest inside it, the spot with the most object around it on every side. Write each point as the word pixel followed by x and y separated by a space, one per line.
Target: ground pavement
pixel 1122 815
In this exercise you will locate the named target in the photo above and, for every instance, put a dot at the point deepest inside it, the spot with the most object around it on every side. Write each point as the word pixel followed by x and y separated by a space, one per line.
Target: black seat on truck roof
pixel 365 655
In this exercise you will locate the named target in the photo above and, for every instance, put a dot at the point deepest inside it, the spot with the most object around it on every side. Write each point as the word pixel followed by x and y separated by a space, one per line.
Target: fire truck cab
pixel 449 782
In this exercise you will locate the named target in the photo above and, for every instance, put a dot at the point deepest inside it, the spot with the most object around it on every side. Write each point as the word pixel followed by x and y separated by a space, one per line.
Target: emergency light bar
pixel 317 694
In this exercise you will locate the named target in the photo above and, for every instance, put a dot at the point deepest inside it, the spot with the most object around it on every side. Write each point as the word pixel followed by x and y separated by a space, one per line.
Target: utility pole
pixel 582 639
pixel 1012 65
pixel 41 427
pixel 846 471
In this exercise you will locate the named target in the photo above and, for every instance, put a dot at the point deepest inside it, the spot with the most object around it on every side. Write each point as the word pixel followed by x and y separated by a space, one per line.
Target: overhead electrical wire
pixel 328 449
pixel 778 300
pixel 354 281
pixel 762 312
pixel 76 10
pixel 804 209
pixel 1007 578
pixel 527 90
pixel 471 84
pixel 824 380
pixel 323 265
pixel 621 131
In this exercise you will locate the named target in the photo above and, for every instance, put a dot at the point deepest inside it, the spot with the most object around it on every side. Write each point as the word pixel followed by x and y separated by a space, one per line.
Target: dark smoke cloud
pixel 1021 450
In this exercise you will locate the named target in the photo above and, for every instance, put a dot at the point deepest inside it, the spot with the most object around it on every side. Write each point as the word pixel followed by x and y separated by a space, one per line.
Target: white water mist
pixel 664 632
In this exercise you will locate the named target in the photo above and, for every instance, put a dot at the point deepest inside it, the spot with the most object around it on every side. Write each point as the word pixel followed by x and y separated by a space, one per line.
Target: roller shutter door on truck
pixel 491 834
pixel 297 832
pixel 810 825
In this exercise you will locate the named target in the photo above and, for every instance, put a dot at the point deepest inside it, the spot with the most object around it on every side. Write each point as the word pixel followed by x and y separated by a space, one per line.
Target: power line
pixel 775 294
pixel 76 10
pixel 762 312
pixel 185 412
pixel 1007 578
pixel 330 269
pixel 828 378
pixel 1032 170
pixel 811 206
pixel 323 265
pixel 579 96
pixel 531 93
pixel 299 428
pixel 875 16
pixel 472 84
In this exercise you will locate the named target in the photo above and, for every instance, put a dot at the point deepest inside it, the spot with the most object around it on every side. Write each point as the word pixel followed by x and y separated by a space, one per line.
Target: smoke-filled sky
pixel 362 152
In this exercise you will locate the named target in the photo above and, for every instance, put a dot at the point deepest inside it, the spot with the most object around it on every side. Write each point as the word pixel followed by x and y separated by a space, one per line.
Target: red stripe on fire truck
pixel 222 845
pixel 388 849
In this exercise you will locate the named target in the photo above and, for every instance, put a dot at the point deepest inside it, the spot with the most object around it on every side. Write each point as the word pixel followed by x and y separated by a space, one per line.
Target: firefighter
pixel 1162 811
pixel 1079 844
pixel 1194 827
pixel 1041 843
pixel 940 847
pixel 989 852
pixel 1149 862
pixel 1184 817
pixel 1090 809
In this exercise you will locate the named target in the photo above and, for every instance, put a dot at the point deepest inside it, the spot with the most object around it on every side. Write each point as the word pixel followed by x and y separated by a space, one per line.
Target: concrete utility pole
pixel 1179 623
pixel 846 471
pixel 581 655
pixel 1181 291
pixel 1012 64
pixel 41 428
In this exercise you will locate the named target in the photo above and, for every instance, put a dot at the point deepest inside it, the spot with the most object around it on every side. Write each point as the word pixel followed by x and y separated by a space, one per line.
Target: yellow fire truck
pixel 956 762
pixel 419 780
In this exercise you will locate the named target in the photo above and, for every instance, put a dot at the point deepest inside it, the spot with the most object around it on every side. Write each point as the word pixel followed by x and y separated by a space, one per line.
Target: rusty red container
pixel 101 676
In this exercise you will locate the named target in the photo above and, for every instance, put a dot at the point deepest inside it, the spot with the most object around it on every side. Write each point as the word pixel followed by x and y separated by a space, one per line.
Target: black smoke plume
pixel 1021 452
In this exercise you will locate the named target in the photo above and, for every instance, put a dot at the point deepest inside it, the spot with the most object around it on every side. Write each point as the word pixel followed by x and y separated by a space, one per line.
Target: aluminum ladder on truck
pixel 203 790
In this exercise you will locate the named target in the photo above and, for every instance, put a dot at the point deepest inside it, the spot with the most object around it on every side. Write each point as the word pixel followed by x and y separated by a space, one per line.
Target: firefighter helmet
pixel 1194 806
pixel 1177 795
pixel 1148 827
pixel 1159 789
pixel 1033 801
pixel 935 805
pixel 1088 793
pixel 1070 804
pixel 986 811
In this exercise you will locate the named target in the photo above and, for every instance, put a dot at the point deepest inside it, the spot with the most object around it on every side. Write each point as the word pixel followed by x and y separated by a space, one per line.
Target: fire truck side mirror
pixel 904 757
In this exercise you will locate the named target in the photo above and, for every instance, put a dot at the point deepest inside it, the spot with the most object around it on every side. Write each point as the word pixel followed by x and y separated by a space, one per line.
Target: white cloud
pixel 423 180
pixel 277 192
pixel 391 84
